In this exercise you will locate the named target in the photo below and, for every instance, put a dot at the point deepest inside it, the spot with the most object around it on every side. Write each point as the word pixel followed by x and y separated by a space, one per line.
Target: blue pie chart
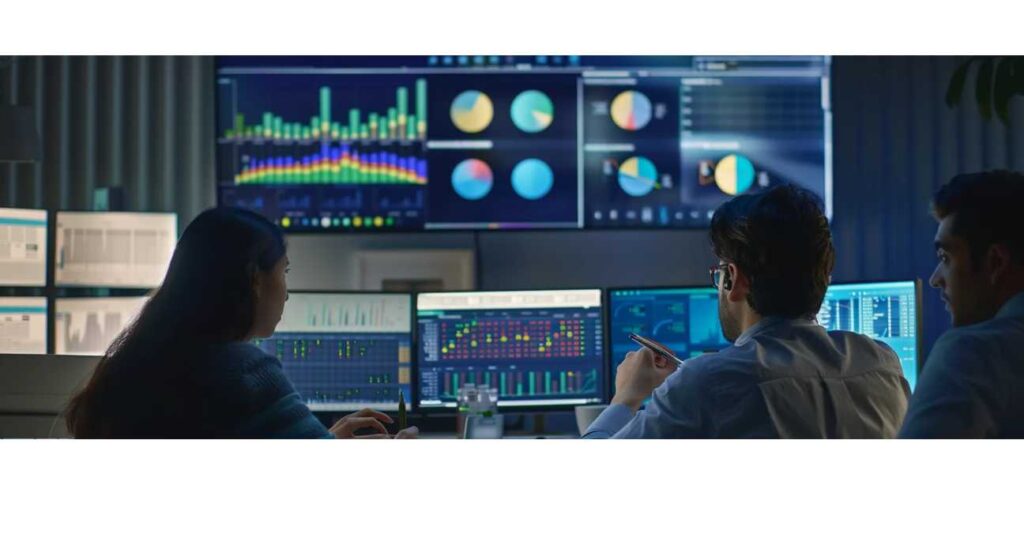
pixel 472 179
pixel 532 179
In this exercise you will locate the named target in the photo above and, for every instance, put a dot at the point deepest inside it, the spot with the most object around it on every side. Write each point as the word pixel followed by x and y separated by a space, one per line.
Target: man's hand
pixel 639 374
pixel 347 426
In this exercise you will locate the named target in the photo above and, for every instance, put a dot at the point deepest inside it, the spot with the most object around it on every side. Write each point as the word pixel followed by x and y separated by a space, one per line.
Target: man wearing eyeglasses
pixel 784 376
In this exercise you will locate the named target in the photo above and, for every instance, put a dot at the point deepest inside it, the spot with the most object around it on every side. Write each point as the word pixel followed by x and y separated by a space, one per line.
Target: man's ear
pixel 740 284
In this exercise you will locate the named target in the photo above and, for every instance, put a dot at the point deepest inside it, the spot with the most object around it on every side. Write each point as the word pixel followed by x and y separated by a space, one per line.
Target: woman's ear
pixel 257 284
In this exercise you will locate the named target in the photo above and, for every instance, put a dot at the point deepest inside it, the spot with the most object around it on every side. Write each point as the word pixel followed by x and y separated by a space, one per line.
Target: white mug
pixel 586 414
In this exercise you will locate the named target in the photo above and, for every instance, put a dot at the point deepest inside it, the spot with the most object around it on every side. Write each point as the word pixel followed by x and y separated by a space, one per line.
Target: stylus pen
pixel 401 410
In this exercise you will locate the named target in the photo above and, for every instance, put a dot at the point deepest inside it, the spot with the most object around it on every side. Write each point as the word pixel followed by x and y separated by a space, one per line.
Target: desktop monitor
pixel 346 351
pixel 22 247
pixel 23 324
pixel 686 319
pixel 88 326
pixel 540 349
pixel 394 143
pixel 116 250
pixel 886 311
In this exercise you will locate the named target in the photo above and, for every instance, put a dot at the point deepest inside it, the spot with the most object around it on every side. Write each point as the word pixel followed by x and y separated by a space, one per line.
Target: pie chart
pixel 734 174
pixel 532 111
pixel 472 111
pixel 532 179
pixel 638 176
pixel 631 110
pixel 472 179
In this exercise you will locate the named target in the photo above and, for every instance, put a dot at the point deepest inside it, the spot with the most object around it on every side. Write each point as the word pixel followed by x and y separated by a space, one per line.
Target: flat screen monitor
pixel 686 319
pixel 886 311
pixel 23 247
pixel 23 325
pixel 88 326
pixel 346 351
pixel 384 143
pixel 540 349
pixel 116 250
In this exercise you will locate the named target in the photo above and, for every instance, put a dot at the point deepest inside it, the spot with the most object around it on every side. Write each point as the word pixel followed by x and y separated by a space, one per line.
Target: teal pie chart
pixel 472 179
pixel 532 179
pixel 532 111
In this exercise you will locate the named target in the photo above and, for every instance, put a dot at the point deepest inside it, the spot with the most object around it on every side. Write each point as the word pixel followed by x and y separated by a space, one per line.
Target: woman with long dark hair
pixel 186 368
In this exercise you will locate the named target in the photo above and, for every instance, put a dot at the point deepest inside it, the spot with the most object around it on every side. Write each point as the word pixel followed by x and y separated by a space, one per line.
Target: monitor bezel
pixel 50 226
pixel 918 317
pixel 581 225
pixel 411 402
pixel 608 324
pixel 53 254
pixel 435 409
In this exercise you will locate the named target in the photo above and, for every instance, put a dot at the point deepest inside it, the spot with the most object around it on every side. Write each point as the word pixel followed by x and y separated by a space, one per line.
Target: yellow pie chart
pixel 734 174
pixel 472 111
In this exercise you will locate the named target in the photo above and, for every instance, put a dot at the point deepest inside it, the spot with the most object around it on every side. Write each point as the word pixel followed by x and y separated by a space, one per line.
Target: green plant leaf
pixel 956 83
pixel 983 88
pixel 1002 88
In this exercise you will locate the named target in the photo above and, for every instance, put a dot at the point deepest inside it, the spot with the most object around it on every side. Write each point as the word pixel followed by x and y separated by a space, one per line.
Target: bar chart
pixel 395 123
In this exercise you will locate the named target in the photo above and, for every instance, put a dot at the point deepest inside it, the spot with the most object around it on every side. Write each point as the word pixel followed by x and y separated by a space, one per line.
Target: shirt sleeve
pixel 955 397
pixel 674 411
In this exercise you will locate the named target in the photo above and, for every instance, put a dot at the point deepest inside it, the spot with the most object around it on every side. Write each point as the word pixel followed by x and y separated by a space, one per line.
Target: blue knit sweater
pixel 233 390
pixel 252 396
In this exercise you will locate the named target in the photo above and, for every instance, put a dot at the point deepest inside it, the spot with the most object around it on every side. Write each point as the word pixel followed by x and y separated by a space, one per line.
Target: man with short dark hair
pixel 785 375
pixel 972 385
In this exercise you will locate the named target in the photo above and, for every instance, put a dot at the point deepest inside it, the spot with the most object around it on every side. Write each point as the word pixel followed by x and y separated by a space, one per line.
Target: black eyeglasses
pixel 716 273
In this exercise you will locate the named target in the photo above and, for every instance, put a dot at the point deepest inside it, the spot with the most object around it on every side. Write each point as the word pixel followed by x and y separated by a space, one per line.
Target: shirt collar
pixel 769 323
pixel 1013 308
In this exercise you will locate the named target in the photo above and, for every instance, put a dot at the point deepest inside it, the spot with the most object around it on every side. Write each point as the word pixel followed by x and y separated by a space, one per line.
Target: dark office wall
pixel 146 124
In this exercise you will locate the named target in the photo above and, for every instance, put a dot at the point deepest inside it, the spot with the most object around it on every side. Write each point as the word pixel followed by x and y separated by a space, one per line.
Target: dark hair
pixel 988 211
pixel 206 298
pixel 780 238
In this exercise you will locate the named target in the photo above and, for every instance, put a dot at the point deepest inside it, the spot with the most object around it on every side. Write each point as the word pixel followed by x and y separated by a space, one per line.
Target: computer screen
pixel 686 319
pixel 88 326
pixel 382 143
pixel 538 348
pixel 22 247
pixel 346 351
pixel 117 250
pixel 886 311
pixel 23 325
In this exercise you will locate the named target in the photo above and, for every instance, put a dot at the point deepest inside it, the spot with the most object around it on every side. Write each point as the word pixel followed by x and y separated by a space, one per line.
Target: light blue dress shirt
pixel 781 378
pixel 972 385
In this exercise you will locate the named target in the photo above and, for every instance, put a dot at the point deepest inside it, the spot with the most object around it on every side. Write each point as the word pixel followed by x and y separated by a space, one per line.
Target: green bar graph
pixel 421 107
pixel 325 104
pixel 394 122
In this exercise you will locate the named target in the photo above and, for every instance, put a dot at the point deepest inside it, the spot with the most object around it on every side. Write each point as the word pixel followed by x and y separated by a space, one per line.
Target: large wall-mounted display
pixel 378 143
